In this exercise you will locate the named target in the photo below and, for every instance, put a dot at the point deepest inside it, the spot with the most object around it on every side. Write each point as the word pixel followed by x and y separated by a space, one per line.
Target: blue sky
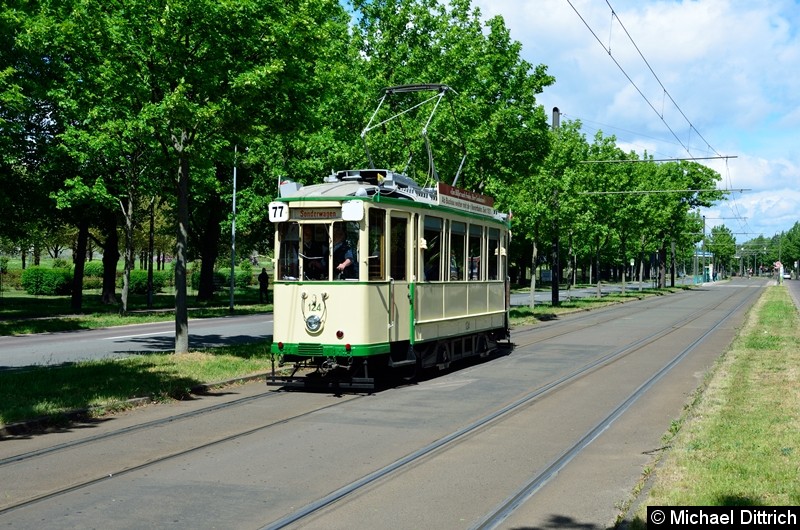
pixel 732 67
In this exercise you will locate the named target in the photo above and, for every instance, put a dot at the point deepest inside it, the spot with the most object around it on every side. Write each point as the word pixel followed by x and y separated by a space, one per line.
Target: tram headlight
pixel 313 323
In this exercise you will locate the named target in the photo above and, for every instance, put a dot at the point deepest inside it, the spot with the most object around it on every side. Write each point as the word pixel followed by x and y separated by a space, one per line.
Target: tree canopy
pixel 107 109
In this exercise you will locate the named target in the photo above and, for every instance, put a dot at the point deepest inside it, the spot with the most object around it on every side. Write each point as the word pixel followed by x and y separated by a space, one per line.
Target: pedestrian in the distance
pixel 263 286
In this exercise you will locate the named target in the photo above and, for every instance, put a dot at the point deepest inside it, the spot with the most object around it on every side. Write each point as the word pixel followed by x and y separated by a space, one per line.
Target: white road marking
pixel 138 335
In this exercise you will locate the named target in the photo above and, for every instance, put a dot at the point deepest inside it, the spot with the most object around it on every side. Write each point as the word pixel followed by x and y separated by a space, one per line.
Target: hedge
pixel 222 278
pixel 41 281
pixel 138 281
pixel 93 269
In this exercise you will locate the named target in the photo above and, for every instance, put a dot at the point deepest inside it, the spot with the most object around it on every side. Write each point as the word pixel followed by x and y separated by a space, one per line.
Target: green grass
pixel 739 442
pixel 102 386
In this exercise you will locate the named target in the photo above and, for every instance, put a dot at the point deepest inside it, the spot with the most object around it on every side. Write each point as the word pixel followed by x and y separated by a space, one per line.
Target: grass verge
pixel 738 444
pixel 98 387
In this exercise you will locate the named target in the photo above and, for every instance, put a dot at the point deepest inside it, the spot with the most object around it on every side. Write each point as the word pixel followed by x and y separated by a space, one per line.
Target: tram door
pixel 399 269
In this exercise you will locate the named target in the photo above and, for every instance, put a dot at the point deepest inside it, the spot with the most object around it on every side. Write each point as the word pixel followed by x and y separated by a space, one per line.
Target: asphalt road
pixel 72 346
pixel 267 454
pixel 524 299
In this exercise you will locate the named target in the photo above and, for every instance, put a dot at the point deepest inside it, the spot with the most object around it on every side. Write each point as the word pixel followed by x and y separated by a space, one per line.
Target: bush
pixel 222 279
pixel 244 266
pixel 49 282
pixel 92 282
pixel 138 281
pixel 60 263
pixel 93 269
pixel 241 278
pixel 3 264
pixel 12 279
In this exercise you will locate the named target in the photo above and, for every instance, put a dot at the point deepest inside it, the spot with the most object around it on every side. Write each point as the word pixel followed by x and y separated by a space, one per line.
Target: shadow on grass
pixel 50 394
pixel 70 395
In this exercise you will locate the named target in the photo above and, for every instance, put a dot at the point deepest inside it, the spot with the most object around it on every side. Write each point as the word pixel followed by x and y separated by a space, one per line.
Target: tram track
pixel 63 450
pixel 364 483
pixel 594 318
pixel 133 429
pixel 500 513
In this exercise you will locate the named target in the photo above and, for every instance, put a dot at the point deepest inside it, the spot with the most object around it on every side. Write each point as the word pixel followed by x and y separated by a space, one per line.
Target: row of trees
pixel 758 255
pixel 120 118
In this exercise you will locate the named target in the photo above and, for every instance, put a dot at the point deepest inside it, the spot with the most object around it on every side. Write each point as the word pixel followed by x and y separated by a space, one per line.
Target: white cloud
pixel 732 66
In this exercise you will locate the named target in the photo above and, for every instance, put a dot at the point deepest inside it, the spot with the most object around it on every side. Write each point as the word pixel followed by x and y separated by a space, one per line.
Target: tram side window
pixel 377 244
pixel 288 254
pixel 494 253
pixel 474 252
pixel 458 235
pixel 398 245
pixel 432 254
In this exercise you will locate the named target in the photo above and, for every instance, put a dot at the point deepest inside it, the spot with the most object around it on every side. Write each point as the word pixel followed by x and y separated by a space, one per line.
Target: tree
pixel 496 121
pixel 722 245
pixel 174 83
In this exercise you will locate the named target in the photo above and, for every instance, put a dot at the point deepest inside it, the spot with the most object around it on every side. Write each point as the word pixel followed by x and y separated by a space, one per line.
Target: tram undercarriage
pixel 404 363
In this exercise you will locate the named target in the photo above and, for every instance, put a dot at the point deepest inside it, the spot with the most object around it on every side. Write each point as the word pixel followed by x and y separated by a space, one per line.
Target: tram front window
pixel 315 252
pixel 307 252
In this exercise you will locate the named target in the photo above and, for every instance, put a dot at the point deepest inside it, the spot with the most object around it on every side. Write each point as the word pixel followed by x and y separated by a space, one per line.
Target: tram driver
pixel 344 259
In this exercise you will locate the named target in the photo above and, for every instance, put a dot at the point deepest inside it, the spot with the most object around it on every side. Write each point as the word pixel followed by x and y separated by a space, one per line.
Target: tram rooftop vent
pixel 384 178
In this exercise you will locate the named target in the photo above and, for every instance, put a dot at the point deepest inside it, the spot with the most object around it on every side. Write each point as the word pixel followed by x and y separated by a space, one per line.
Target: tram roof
pixel 370 182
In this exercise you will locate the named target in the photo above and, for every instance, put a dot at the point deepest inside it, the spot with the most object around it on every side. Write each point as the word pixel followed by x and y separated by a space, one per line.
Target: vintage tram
pixel 377 274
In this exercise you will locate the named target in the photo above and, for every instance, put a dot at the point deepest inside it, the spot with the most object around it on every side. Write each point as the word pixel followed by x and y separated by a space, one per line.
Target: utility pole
pixel 233 229
pixel 703 247
pixel 556 268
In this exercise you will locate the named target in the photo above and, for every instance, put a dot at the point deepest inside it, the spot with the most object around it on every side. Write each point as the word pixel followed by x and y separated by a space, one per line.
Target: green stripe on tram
pixel 330 350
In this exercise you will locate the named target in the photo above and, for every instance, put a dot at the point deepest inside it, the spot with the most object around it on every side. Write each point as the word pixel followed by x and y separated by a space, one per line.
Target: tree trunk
pixel 181 309
pixel 208 243
pixel 672 263
pixel 533 274
pixel 597 265
pixel 150 249
pixel 79 260
pixel 130 258
pixel 110 258
pixel 624 267
pixel 555 278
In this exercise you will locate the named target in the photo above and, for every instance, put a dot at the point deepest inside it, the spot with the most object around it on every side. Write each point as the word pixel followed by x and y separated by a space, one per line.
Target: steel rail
pixel 461 434
pixel 497 516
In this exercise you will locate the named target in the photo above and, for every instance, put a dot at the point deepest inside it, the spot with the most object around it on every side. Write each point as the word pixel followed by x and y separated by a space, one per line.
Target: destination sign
pixel 316 213
pixel 465 200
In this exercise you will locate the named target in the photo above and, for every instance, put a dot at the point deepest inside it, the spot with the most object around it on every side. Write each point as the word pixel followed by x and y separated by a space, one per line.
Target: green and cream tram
pixel 425 285
pixel 374 273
